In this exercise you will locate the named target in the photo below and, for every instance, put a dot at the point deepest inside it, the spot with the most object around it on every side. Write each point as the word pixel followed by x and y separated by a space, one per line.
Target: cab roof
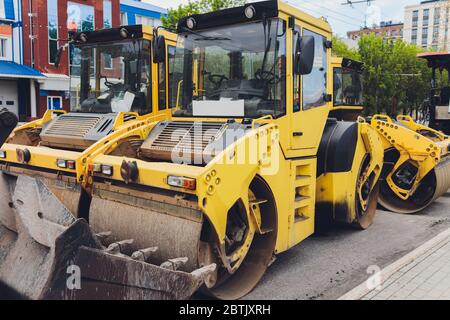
pixel 236 15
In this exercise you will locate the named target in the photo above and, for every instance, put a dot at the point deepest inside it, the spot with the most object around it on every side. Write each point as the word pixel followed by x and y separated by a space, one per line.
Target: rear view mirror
pixel 58 56
pixel 304 55
pixel 159 49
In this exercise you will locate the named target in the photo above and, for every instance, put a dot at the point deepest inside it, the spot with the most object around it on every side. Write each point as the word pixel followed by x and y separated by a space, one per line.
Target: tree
pixel 341 49
pixel 395 80
pixel 197 7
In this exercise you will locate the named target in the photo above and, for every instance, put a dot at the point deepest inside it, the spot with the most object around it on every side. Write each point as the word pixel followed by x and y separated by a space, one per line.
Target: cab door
pixel 311 98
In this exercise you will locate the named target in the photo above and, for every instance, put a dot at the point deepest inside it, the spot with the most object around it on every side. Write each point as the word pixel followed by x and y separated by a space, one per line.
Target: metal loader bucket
pixel 48 254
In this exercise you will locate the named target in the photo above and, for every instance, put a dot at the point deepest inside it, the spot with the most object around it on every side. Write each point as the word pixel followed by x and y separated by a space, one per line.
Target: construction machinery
pixel 116 86
pixel 438 104
pixel 246 164
pixel 347 88
pixel 416 168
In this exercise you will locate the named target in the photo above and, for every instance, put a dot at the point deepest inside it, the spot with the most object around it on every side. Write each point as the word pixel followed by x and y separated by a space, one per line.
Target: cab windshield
pixel 111 77
pixel 348 89
pixel 233 71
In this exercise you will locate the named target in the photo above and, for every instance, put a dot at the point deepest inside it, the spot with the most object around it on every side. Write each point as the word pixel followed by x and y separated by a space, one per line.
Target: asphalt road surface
pixel 326 267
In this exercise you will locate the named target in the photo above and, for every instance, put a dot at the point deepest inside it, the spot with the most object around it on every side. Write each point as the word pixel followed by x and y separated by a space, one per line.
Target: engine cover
pixel 77 130
pixel 190 142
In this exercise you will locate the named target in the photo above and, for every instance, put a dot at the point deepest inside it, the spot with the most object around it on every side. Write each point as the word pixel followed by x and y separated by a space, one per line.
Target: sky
pixel 342 18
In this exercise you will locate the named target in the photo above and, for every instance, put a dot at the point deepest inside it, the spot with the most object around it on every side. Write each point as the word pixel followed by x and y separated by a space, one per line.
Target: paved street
pixel 327 267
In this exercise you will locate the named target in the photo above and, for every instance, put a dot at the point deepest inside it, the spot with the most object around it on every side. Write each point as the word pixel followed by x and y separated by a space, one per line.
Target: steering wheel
pixel 217 80
pixel 108 84
pixel 268 76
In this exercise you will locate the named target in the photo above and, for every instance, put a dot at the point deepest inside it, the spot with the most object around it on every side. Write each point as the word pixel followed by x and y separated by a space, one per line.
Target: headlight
pixel 61 163
pixel 107 170
pixel 190 23
pixel 83 37
pixel 66 164
pixel 2 154
pixel 249 12
pixel 124 33
pixel 181 182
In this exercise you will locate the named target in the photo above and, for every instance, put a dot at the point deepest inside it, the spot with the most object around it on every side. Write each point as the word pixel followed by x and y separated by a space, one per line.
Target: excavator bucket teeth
pixel 51 255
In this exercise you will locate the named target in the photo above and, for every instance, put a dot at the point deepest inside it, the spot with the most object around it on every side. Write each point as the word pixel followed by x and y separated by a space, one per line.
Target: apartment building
pixel 18 81
pixel 427 24
pixel 138 12
pixel 386 29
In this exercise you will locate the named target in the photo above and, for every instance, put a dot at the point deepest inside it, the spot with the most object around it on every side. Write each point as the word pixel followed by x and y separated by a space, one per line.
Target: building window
pixel 414 36
pixel 426 17
pixel 437 16
pixel 80 17
pixel 415 18
pixel 107 61
pixel 52 24
pixel 54 103
pixel 3 48
pixel 146 21
pixel 123 19
pixel 435 33
pixel 107 14
pixel 424 36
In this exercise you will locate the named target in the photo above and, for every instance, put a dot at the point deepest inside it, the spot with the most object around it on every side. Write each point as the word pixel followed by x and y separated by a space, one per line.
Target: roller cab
pixel 438 103
pixel 347 89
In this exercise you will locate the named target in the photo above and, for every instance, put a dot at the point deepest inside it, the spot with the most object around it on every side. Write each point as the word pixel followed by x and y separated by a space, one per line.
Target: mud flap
pixel 54 256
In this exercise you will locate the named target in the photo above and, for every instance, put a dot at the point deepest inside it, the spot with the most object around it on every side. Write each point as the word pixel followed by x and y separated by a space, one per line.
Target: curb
pixel 362 290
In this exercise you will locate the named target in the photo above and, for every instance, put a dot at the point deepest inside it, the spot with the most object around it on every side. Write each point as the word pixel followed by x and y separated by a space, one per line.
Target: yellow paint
pixel 421 151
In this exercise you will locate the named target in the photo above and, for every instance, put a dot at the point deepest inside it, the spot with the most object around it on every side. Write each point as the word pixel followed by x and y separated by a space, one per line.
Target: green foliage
pixel 340 49
pixel 395 80
pixel 196 7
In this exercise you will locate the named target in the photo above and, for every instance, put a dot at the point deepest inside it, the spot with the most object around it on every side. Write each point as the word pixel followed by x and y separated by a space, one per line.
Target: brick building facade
pixel 47 28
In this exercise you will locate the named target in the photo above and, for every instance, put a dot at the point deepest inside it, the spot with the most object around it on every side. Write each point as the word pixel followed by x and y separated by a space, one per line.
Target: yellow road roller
pixel 242 169
pixel 246 164
pixel 416 168
pixel 207 197
pixel 44 203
